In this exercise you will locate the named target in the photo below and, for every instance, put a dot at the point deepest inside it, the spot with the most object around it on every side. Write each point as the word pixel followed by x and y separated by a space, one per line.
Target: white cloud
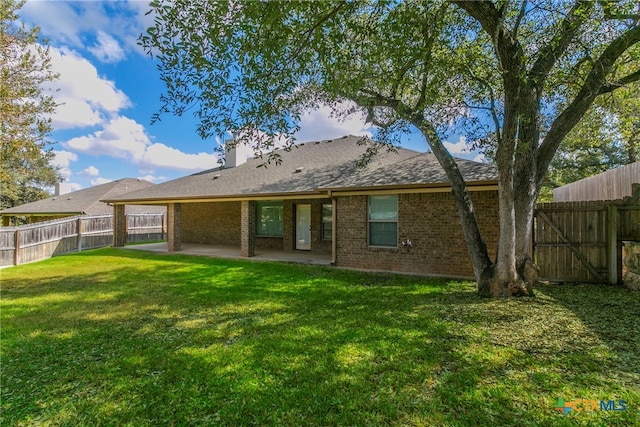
pixel 108 49
pixel 100 181
pixel 464 150
pixel 459 147
pixel 84 97
pixel 73 23
pixel 318 124
pixel 154 179
pixel 62 160
pixel 61 23
pixel 75 186
pixel 160 155
pixel 90 171
pixel 481 158
pixel 124 138
pixel 121 138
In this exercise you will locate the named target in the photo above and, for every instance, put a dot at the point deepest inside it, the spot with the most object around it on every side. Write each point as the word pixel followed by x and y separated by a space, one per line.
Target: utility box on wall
pixel 631 264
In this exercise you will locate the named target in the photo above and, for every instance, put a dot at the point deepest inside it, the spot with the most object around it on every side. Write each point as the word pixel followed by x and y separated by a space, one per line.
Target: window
pixel 383 221
pixel 269 218
pixel 327 221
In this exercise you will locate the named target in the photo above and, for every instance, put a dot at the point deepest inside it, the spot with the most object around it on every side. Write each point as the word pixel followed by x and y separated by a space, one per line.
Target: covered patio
pixel 223 251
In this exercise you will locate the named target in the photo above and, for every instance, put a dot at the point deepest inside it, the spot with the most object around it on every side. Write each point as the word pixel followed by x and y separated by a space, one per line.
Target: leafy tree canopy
pixel 608 136
pixel 25 111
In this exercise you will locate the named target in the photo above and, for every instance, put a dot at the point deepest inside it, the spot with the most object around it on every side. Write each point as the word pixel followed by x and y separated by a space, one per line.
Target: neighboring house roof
pixel 86 201
pixel 309 168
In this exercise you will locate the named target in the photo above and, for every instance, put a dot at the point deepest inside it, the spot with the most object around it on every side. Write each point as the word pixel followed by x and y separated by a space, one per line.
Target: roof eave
pixel 41 213
pixel 478 183
pixel 320 192
pixel 213 198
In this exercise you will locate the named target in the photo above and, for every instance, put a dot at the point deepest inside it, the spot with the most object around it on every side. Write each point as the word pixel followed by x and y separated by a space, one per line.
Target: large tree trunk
pixel 526 193
pixel 475 243
pixel 500 279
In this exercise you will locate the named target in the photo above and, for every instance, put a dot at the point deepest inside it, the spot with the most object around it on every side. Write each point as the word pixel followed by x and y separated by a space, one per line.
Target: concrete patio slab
pixel 219 251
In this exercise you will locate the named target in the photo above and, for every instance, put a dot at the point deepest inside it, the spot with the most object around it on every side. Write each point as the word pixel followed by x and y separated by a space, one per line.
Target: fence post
pixel 16 244
pixel 79 231
pixel 612 243
pixel 164 227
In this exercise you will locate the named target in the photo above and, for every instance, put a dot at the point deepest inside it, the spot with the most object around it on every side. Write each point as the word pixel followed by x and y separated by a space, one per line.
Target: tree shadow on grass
pixel 189 340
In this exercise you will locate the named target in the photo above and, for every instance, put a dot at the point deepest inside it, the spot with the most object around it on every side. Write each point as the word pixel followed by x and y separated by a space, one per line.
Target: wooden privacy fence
pixel 582 241
pixel 19 245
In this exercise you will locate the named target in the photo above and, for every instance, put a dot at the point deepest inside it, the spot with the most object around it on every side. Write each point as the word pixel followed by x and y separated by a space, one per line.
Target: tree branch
pixel 379 100
pixel 594 82
pixel 523 9
pixel 307 34
pixel 508 50
pixel 492 108
pixel 429 37
pixel 633 77
pixel 556 47
pixel 484 12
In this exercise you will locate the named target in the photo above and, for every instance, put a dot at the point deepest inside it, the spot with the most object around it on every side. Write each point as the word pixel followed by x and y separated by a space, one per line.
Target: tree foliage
pixel 25 111
pixel 524 72
pixel 608 136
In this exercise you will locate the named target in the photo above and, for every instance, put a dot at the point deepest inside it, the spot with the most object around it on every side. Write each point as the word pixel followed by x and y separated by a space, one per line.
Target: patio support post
pixel 247 228
pixel 119 226
pixel 334 228
pixel 174 238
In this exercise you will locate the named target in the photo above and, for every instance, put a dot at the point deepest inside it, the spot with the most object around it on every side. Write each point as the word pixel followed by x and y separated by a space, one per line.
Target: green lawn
pixel 122 337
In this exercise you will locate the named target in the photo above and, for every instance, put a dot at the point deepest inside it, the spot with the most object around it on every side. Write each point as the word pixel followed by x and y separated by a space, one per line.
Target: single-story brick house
pixel 81 202
pixel 397 214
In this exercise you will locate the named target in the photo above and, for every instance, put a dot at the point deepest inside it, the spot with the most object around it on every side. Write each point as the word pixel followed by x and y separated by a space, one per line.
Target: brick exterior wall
pixel 211 223
pixel 429 220
pixel 269 243
pixel 247 228
pixel 119 226
pixel 174 227
pixel 318 245
pixel 220 223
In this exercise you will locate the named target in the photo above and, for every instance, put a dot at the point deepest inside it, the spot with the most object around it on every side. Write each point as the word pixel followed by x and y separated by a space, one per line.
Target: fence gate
pixel 570 241
pixel 582 241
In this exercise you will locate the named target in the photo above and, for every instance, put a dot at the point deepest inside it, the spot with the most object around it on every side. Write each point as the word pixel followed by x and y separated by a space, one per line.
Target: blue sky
pixel 109 89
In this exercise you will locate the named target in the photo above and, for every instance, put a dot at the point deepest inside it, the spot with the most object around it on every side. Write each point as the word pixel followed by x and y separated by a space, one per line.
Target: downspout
pixel 334 243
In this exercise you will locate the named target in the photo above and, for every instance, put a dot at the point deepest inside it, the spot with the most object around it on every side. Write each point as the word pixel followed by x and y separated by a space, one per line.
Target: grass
pixel 117 337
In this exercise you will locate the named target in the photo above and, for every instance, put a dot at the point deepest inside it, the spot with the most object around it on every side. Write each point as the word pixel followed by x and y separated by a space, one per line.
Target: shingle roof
pixel 85 201
pixel 421 169
pixel 324 164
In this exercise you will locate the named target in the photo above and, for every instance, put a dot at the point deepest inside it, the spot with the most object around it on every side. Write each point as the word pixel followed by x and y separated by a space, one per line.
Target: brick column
pixel 174 238
pixel 119 226
pixel 247 228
